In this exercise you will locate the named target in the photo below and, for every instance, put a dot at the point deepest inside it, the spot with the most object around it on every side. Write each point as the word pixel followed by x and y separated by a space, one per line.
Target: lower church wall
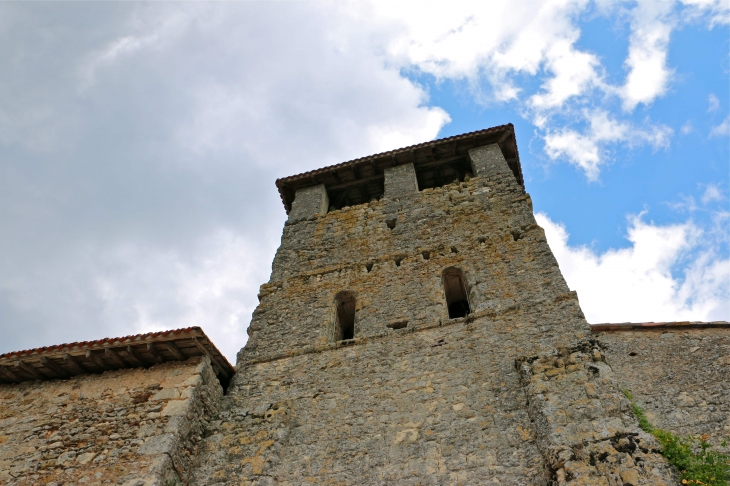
pixel 681 378
pixel 528 397
pixel 129 427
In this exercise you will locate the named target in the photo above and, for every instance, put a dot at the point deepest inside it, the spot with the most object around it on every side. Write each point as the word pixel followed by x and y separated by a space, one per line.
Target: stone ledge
pixel 489 313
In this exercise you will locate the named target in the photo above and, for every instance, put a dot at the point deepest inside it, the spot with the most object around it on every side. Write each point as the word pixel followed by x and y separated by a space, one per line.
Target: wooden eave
pixel 362 179
pixel 140 350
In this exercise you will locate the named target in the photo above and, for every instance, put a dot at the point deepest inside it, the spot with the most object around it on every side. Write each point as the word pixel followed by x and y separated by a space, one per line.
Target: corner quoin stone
pixel 400 181
pixel 308 202
pixel 488 160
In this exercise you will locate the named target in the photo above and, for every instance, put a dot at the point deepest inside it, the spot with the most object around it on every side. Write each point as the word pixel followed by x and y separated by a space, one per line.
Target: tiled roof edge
pixel 100 342
pixel 283 180
pixel 648 326
pixel 112 354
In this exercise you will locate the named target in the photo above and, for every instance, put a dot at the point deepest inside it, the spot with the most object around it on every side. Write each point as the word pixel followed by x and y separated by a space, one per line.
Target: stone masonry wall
pixel 584 424
pixel 516 393
pixel 136 427
pixel 681 378
pixel 415 407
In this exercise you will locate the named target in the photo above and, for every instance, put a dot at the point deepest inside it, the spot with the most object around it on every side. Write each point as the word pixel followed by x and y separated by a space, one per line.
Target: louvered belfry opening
pixel 345 318
pixel 457 300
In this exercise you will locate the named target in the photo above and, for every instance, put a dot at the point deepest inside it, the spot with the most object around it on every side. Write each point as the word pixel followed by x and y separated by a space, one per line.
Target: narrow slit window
pixel 457 300
pixel 345 318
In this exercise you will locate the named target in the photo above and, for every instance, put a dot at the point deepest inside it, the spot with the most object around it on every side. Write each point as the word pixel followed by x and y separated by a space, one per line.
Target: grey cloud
pixel 139 144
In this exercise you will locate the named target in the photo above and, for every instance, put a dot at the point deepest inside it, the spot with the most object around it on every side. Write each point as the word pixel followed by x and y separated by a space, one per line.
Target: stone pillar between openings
pixel 488 160
pixel 400 181
pixel 310 201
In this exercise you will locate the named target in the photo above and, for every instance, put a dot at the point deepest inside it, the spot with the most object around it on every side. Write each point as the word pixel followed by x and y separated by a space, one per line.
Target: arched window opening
pixel 345 318
pixel 457 300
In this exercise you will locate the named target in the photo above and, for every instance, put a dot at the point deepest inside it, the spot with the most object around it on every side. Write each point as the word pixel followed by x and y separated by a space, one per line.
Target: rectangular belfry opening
pixel 345 318
pixel 432 176
pixel 457 300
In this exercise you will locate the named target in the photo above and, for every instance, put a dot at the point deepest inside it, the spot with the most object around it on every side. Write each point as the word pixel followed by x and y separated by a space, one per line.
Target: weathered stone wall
pixel 400 181
pixel 429 406
pixel 681 378
pixel 134 427
pixel 584 424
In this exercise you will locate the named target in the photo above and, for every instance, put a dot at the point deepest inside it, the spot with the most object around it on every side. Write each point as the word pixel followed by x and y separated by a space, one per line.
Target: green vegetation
pixel 696 461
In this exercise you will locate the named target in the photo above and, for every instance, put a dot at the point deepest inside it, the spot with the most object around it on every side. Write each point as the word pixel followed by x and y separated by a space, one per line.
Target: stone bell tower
pixel 404 240
pixel 406 287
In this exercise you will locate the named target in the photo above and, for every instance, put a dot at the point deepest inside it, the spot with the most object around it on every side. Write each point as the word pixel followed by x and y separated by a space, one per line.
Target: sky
pixel 140 142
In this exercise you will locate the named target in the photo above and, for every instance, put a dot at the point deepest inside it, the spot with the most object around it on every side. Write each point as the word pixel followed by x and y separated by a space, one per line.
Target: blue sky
pixel 139 144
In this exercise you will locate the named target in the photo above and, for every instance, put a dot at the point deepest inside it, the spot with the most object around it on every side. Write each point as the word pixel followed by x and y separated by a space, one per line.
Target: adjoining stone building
pixel 415 330
pixel 129 410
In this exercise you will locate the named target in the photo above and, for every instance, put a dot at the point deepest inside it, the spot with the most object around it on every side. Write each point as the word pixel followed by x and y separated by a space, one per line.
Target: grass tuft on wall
pixel 693 457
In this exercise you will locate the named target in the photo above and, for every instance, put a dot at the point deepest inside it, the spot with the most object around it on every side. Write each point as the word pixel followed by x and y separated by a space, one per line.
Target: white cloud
pixel 574 72
pixel 466 39
pixel 721 130
pixel 687 128
pixel 686 204
pixel 715 11
pixel 214 287
pixel 712 102
pixel 496 45
pixel 580 150
pixel 461 38
pixel 585 149
pixel 712 193
pixel 152 29
pixel 638 283
pixel 648 76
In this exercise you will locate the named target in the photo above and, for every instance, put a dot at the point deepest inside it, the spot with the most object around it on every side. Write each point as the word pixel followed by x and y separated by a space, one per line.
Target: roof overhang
pixel 140 350
pixel 366 173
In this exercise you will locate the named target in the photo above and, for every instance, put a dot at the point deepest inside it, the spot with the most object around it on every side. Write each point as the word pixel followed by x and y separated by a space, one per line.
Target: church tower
pixel 386 347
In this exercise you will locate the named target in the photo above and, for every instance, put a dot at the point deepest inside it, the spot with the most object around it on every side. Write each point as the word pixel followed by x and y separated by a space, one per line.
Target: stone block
pixel 85 458
pixel 67 458
pixel 400 181
pixel 308 202
pixel 166 394
pixel 159 444
pixel 176 408
pixel 488 160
